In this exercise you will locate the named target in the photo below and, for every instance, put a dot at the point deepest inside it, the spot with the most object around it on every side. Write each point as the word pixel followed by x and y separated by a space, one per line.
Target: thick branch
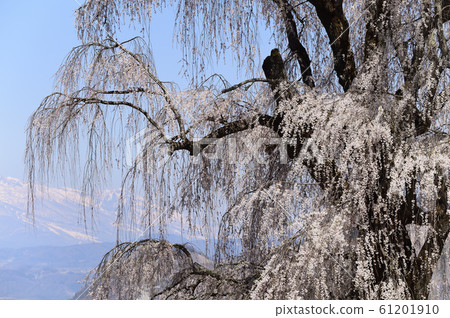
pixel 196 147
pixel 331 14
pixel 274 123
pixel 295 46
pixel 127 91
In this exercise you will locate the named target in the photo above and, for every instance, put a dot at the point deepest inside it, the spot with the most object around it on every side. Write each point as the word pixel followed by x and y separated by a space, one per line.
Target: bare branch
pixel 87 101
pixel 249 81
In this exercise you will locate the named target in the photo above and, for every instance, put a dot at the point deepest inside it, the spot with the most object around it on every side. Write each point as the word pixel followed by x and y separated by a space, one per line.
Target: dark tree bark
pixel 331 14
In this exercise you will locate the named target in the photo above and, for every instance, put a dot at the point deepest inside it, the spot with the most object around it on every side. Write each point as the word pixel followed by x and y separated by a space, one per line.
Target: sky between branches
pixel 36 37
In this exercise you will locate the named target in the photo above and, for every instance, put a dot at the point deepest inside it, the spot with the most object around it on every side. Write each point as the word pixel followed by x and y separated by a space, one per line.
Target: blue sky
pixel 36 37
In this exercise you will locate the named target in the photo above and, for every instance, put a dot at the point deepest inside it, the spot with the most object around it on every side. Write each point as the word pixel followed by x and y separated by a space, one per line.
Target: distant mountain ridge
pixel 57 222
pixel 47 259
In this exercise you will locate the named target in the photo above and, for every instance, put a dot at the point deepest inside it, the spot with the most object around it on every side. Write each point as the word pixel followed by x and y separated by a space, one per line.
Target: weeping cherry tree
pixel 323 175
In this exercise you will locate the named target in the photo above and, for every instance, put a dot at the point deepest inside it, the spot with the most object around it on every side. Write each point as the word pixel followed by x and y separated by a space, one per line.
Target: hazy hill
pixel 47 272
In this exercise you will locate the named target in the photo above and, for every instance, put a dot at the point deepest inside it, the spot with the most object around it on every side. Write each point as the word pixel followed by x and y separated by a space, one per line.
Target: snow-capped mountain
pixel 58 217
pixel 59 221
pixel 45 257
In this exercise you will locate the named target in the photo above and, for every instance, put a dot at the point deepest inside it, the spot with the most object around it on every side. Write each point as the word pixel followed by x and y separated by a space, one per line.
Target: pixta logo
pixel 146 151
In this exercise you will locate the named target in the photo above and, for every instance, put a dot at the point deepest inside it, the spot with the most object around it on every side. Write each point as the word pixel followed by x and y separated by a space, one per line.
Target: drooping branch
pixel 160 84
pixel 295 46
pixel 86 101
pixel 172 259
pixel 331 14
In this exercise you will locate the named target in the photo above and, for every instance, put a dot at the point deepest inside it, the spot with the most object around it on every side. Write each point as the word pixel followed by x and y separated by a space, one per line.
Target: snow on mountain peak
pixel 58 219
